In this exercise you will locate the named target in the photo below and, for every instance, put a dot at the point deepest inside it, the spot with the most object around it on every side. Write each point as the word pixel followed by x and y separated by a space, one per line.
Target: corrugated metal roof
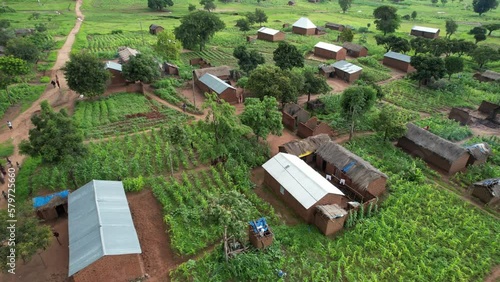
pixel 328 46
pixel 425 29
pixel 398 56
pixel 99 224
pixel 113 66
pixel 304 23
pixel 305 184
pixel 269 31
pixel 216 84
pixel 347 67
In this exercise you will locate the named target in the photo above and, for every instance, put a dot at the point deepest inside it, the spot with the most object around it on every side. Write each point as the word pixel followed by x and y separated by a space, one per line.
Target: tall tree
pixel 23 48
pixel 167 45
pixel 453 65
pixel 260 16
pixel 314 83
pixel 386 19
pixel 243 24
pixel 85 74
pixel 11 69
pixel 262 116
pixel 492 27
pixel 439 46
pixel 159 4
pixel 208 5
pixel 394 43
pixel 197 28
pixel 461 46
pixel 346 35
pixel 141 68
pixel 268 80
pixel 53 137
pixel 42 40
pixel 247 60
pixel 420 45
pixel 345 5
pixel 427 67
pixel 484 54
pixel 288 56
pixel 434 2
pixel 191 7
pixel 451 27
pixel 483 6
pixel 390 122
pixel 479 33
pixel 355 102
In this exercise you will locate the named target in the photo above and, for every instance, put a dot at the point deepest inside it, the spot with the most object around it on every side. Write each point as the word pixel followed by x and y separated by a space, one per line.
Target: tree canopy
pixel 419 44
pixel 390 122
pixel 345 5
pixel 53 137
pixel 451 27
pixel 483 6
pixel 197 28
pixel 287 56
pixel 243 24
pixel 268 80
pixel 346 35
pixel 386 19
pixel 479 33
pixel 492 27
pixel 314 83
pixel 12 68
pixel 23 48
pixel 247 60
pixel 453 65
pixel 394 43
pixel 262 116
pixel 167 45
pixel 141 68
pixel 484 54
pixel 208 5
pixel 355 102
pixel 427 67
pixel 159 4
pixel 260 16
pixel 85 74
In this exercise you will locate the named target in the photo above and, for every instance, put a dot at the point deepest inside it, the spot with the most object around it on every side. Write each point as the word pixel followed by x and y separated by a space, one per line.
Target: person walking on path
pixel 184 107
pixel 58 85
pixel 53 83
pixel 56 234
pixel 8 161
pixel 18 165
pixel 9 124
pixel 4 195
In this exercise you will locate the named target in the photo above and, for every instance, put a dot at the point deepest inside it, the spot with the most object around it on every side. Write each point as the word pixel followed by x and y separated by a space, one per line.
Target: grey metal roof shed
pixel 99 224
pixel 398 56
pixel 347 67
pixel 215 83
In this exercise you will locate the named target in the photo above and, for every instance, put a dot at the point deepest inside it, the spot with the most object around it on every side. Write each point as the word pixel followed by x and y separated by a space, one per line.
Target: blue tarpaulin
pixel 348 166
pixel 259 225
pixel 43 200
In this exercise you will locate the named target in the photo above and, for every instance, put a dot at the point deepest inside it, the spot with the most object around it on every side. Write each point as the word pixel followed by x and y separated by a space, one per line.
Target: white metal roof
pixel 398 56
pixel 328 46
pixel 99 224
pixel 113 66
pixel 347 67
pixel 304 23
pixel 216 84
pixel 426 29
pixel 267 30
pixel 305 184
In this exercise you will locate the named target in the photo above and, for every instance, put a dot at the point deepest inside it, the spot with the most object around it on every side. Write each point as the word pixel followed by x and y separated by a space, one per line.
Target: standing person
pixel 184 107
pixel 18 165
pixel 4 195
pixel 53 83
pixel 9 124
pixel 8 161
pixel 58 85
pixel 2 169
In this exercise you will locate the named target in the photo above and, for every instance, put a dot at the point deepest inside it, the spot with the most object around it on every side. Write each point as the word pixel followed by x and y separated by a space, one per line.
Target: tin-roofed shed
pixel 269 34
pixel 426 32
pixel 329 51
pixel 211 83
pixel 398 61
pixel 347 71
pixel 304 26
pixel 102 236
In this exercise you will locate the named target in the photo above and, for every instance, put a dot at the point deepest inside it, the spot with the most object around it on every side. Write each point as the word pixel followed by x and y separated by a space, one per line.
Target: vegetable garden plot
pixel 111 42
pixel 446 128
pixel 216 57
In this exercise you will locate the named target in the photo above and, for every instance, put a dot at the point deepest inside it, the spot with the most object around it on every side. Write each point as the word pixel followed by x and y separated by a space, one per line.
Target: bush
pixel 117 31
pixel 6 149
pixel 133 184
pixel 363 29
pixel 44 79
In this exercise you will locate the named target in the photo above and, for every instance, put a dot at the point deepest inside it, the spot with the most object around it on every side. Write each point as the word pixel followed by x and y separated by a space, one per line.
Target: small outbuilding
pixel 479 153
pixel 304 26
pixel 222 72
pixel 124 54
pixel 313 127
pixel 320 30
pixel 460 115
pixel 211 83
pixel 329 51
pixel 330 219
pixel 155 29
pixel 305 148
pixel 260 234
pixel 294 114
pixel 433 149
pixel 334 26
pixel 358 174
pixel 355 50
pixel 270 34
pixel 300 186
pixel 115 69
pixel 488 191
pixel 487 76
pixel 347 71
pixel 398 61
pixel 326 70
pixel 102 236
pixel 488 107
pixel 51 206
pixel 426 32
pixel 170 69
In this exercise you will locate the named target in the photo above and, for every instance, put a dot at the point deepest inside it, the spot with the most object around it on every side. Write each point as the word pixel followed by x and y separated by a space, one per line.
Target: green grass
pixel 445 128
pixel 6 149
pixel 20 94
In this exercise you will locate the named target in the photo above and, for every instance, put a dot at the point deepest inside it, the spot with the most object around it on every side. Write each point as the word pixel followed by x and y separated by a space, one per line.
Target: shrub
pixel 44 79
pixel 117 31
pixel 6 149
pixel 133 184
pixel 446 128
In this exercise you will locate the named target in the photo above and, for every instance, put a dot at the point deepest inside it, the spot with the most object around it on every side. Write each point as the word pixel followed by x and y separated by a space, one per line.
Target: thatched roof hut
pixel 360 172
pixel 304 147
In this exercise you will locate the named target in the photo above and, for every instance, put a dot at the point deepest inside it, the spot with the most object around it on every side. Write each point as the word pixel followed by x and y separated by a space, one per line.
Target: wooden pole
pixel 42 260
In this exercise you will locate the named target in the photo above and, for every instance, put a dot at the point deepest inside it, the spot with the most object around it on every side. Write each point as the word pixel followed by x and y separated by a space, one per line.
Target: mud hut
pixel 488 191
pixel 329 51
pixel 335 26
pixel 358 174
pixel 313 127
pixel 330 219
pixel 300 186
pixel 479 153
pixel 270 34
pixel 304 26
pixel 155 29
pixel 305 148
pixel 355 50
pixel 293 114
pixel 326 70
pixel 260 234
pixel 117 77
pixel 487 76
pixel 170 69
pixel 460 115
pixel 433 149
pixel 398 61
pixel 51 206
pixel 426 32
